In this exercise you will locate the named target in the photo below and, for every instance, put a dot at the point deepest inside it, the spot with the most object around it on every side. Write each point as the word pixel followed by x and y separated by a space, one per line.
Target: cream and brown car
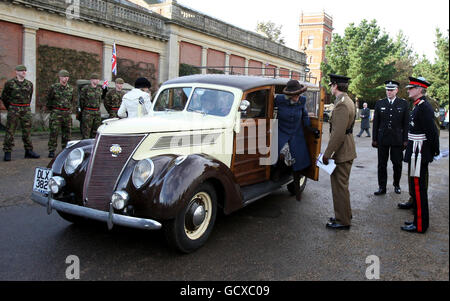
pixel 207 145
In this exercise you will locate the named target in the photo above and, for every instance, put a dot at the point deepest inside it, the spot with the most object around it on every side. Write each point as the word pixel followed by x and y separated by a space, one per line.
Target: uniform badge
pixel 115 150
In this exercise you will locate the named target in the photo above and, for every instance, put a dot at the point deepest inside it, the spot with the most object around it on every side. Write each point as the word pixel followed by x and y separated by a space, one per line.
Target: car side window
pixel 172 99
pixel 258 104
pixel 211 102
pixel 312 103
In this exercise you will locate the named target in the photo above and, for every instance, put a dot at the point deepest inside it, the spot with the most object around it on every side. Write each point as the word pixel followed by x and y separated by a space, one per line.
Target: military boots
pixel 29 154
pixel 7 156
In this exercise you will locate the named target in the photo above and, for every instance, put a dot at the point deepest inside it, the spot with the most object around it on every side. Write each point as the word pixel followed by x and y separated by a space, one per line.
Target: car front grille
pixel 110 156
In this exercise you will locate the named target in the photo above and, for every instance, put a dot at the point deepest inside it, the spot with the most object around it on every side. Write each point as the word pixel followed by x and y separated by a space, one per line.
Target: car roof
pixel 237 81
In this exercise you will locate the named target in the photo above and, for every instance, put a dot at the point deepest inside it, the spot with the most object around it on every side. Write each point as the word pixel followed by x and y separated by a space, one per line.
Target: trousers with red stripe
pixel 419 192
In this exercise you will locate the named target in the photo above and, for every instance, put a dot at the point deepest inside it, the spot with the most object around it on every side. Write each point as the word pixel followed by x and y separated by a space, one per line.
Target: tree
pixel 363 55
pixel 271 31
pixel 404 59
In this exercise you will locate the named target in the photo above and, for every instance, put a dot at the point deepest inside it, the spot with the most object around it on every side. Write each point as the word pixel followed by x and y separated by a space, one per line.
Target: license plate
pixel 41 178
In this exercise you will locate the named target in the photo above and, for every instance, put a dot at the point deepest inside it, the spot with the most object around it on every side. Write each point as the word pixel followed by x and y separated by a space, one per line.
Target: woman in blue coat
pixel 292 119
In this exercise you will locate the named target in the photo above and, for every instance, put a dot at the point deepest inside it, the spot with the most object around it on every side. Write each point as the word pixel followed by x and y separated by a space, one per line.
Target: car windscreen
pixel 211 102
pixel 172 99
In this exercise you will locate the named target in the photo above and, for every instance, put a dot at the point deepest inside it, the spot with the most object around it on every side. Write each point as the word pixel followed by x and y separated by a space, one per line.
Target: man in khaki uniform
pixel 341 148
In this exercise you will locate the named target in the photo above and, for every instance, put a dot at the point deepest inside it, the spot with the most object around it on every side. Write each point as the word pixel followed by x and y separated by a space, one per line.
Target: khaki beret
pixel 95 76
pixel 119 81
pixel 21 68
pixel 63 73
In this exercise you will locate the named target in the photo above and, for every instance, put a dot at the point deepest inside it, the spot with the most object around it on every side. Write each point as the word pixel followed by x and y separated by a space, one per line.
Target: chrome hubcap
pixel 198 215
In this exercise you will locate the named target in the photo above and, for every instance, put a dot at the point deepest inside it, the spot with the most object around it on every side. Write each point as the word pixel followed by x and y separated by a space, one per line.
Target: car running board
pixel 254 192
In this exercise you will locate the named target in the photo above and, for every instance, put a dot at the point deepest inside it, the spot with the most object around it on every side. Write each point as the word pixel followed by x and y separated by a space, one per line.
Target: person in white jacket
pixel 137 102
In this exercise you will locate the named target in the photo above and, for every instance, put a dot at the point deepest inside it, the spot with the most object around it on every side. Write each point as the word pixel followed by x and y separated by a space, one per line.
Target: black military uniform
pixel 423 145
pixel 390 135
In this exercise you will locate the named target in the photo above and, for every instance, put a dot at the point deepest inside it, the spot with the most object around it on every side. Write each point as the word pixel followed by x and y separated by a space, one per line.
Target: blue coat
pixel 291 120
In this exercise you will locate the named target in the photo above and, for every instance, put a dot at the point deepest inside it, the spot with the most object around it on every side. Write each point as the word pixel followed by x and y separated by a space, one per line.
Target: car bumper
pixel 110 217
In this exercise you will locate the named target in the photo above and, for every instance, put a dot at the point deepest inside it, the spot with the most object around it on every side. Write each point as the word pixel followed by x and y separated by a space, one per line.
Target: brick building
pixel 152 41
pixel 315 33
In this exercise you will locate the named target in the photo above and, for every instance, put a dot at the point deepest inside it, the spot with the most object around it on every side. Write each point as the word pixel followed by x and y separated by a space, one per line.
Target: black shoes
pixel 397 189
pixel 7 156
pixel 51 154
pixel 409 223
pixel 337 226
pixel 405 205
pixel 380 191
pixel 29 154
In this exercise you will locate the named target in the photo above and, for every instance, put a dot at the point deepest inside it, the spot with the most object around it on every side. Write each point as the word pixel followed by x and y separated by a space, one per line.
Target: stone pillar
pixel 277 72
pixel 204 59
pixel 162 73
pixel 107 61
pixel 227 63
pixel 29 54
pixel 246 66
pixel 172 60
pixel 263 71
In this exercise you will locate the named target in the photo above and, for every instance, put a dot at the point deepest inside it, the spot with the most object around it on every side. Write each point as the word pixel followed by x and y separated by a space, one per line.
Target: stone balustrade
pixel 198 21
pixel 106 12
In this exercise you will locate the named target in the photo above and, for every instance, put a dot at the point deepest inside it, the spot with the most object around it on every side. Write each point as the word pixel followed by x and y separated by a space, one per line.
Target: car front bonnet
pixel 109 217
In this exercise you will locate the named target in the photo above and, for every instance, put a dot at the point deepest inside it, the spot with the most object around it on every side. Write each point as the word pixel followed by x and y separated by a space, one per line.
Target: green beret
pixel 63 73
pixel 21 68
pixel 119 81
pixel 95 76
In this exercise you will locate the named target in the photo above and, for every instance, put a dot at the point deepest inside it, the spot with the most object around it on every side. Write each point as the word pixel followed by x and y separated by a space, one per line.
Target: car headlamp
pixel 73 160
pixel 55 184
pixel 119 199
pixel 142 172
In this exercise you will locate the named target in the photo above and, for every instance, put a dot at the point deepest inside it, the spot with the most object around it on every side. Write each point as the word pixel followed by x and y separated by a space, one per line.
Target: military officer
pixel 341 148
pixel 435 105
pixel 60 103
pixel 90 101
pixel 423 146
pixel 390 135
pixel 113 99
pixel 16 96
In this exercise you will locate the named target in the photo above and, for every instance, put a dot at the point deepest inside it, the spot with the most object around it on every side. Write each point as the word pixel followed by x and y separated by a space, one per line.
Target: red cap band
pixel 418 84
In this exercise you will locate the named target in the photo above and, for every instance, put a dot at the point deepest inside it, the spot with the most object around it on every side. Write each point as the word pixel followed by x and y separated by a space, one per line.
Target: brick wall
pixel 190 54
pixel 11 40
pixel 236 62
pixel 254 67
pixel 134 63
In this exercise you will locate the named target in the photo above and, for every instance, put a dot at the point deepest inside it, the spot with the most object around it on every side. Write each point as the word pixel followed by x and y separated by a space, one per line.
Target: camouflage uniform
pixel 60 101
pixel 90 101
pixel 16 96
pixel 113 100
pixel 435 104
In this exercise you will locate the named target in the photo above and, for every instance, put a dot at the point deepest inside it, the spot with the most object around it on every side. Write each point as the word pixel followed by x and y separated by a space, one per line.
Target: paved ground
pixel 275 238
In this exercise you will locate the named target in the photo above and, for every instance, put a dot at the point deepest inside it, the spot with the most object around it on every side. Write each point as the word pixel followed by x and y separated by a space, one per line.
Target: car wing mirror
pixel 244 105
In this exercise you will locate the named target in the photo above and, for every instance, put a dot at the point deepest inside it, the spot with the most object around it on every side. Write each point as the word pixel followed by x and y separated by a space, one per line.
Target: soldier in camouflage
pixel 90 101
pixel 60 102
pixel 113 99
pixel 16 96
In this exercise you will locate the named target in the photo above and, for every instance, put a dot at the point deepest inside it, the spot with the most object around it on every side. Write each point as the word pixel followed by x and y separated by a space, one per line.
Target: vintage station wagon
pixel 207 145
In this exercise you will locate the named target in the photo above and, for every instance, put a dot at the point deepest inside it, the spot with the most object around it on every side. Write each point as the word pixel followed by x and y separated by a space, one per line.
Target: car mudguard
pixel 173 183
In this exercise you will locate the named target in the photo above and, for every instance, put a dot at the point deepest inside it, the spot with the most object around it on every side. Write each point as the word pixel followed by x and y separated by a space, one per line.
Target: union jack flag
pixel 114 60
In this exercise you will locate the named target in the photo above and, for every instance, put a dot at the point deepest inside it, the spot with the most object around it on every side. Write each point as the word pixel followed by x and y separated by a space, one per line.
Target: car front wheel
pixel 193 224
